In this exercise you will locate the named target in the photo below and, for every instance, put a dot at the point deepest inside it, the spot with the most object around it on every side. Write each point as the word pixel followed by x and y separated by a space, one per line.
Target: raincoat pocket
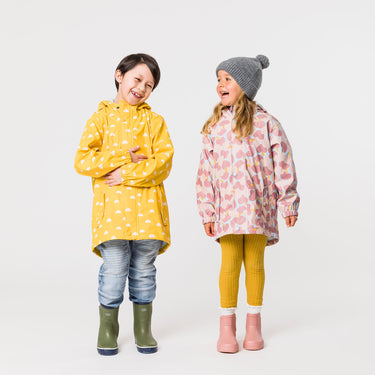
pixel 98 210
pixel 217 206
pixel 163 206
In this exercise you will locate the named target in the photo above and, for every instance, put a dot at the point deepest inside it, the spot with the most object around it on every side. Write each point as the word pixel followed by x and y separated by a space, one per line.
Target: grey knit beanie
pixel 246 71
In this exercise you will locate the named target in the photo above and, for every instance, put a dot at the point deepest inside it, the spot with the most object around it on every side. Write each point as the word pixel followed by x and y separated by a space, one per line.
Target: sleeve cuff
pixel 285 214
pixel 126 157
pixel 208 219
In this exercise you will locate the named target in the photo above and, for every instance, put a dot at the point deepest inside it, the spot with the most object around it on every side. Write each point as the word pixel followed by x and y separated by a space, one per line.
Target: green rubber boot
pixel 108 331
pixel 142 329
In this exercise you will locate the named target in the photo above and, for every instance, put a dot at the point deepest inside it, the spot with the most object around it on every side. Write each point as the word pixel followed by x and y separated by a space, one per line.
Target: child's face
pixel 227 88
pixel 136 85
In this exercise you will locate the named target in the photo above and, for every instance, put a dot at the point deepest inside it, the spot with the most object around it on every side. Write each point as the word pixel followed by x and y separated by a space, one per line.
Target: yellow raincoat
pixel 137 209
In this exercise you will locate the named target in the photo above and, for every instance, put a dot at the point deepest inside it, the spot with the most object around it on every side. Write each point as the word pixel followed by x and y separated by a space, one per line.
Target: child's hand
pixel 113 178
pixel 209 228
pixel 136 158
pixel 290 221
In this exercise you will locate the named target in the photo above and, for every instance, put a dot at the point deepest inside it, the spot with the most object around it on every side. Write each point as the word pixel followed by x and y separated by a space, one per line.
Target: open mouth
pixel 138 96
pixel 224 94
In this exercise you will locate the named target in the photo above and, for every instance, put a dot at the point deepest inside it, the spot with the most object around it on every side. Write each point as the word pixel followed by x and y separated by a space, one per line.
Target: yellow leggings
pixel 236 248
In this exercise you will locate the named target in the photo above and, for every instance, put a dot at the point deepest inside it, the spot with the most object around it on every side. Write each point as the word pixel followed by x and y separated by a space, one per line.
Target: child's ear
pixel 118 76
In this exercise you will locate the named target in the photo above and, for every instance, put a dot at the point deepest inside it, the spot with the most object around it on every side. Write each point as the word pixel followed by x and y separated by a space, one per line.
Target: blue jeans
pixel 124 259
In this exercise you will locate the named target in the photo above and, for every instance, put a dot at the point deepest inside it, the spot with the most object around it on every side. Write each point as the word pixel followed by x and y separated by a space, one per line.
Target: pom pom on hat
pixel 246 71
pixel 263 61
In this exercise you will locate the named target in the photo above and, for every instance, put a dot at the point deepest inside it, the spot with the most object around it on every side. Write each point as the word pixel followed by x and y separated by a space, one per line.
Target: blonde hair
pixel 244 111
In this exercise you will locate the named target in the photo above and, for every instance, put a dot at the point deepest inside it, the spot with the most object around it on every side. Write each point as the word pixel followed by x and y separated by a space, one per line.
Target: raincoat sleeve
pixel 154 170
pixel 204 184
pixel 285 172
pixel 90 160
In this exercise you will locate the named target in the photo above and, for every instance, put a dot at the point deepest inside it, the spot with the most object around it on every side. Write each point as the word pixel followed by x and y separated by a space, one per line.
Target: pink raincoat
pixel 241 183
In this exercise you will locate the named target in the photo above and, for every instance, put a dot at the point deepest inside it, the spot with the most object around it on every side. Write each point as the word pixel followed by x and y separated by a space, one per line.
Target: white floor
pixel 51 328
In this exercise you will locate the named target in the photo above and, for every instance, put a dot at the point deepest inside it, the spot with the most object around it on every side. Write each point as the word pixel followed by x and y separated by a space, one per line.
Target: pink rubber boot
pixel 253 339
pixel 227 342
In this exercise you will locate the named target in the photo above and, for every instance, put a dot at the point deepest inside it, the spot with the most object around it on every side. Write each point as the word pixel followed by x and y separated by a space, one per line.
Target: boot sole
pixel 254 347
pixel 228 349
pixel 147 349
pixel 103 351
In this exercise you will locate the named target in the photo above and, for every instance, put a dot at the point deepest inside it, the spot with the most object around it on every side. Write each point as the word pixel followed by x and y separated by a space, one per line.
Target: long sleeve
pixel 154 170
pixel 285 172
pixel 204 184
pixel 90 159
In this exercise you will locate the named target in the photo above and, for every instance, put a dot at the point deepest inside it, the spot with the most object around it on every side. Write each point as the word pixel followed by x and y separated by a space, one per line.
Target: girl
pixel 246 171
pixel 127 151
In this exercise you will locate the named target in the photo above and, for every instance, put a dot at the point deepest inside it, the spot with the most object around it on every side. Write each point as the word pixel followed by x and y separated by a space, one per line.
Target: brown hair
pixel 244 110
pixel 131 61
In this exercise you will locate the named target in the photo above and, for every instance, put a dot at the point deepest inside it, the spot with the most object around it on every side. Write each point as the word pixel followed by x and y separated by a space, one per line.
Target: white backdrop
pixel 58 61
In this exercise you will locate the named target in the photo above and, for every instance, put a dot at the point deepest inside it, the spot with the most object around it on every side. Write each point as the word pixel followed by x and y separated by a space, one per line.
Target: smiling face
pixel 227 88
pixel 135 86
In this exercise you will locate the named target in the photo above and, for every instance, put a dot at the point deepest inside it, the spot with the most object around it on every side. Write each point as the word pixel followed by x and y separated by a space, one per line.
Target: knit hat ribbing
pixel 246 71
